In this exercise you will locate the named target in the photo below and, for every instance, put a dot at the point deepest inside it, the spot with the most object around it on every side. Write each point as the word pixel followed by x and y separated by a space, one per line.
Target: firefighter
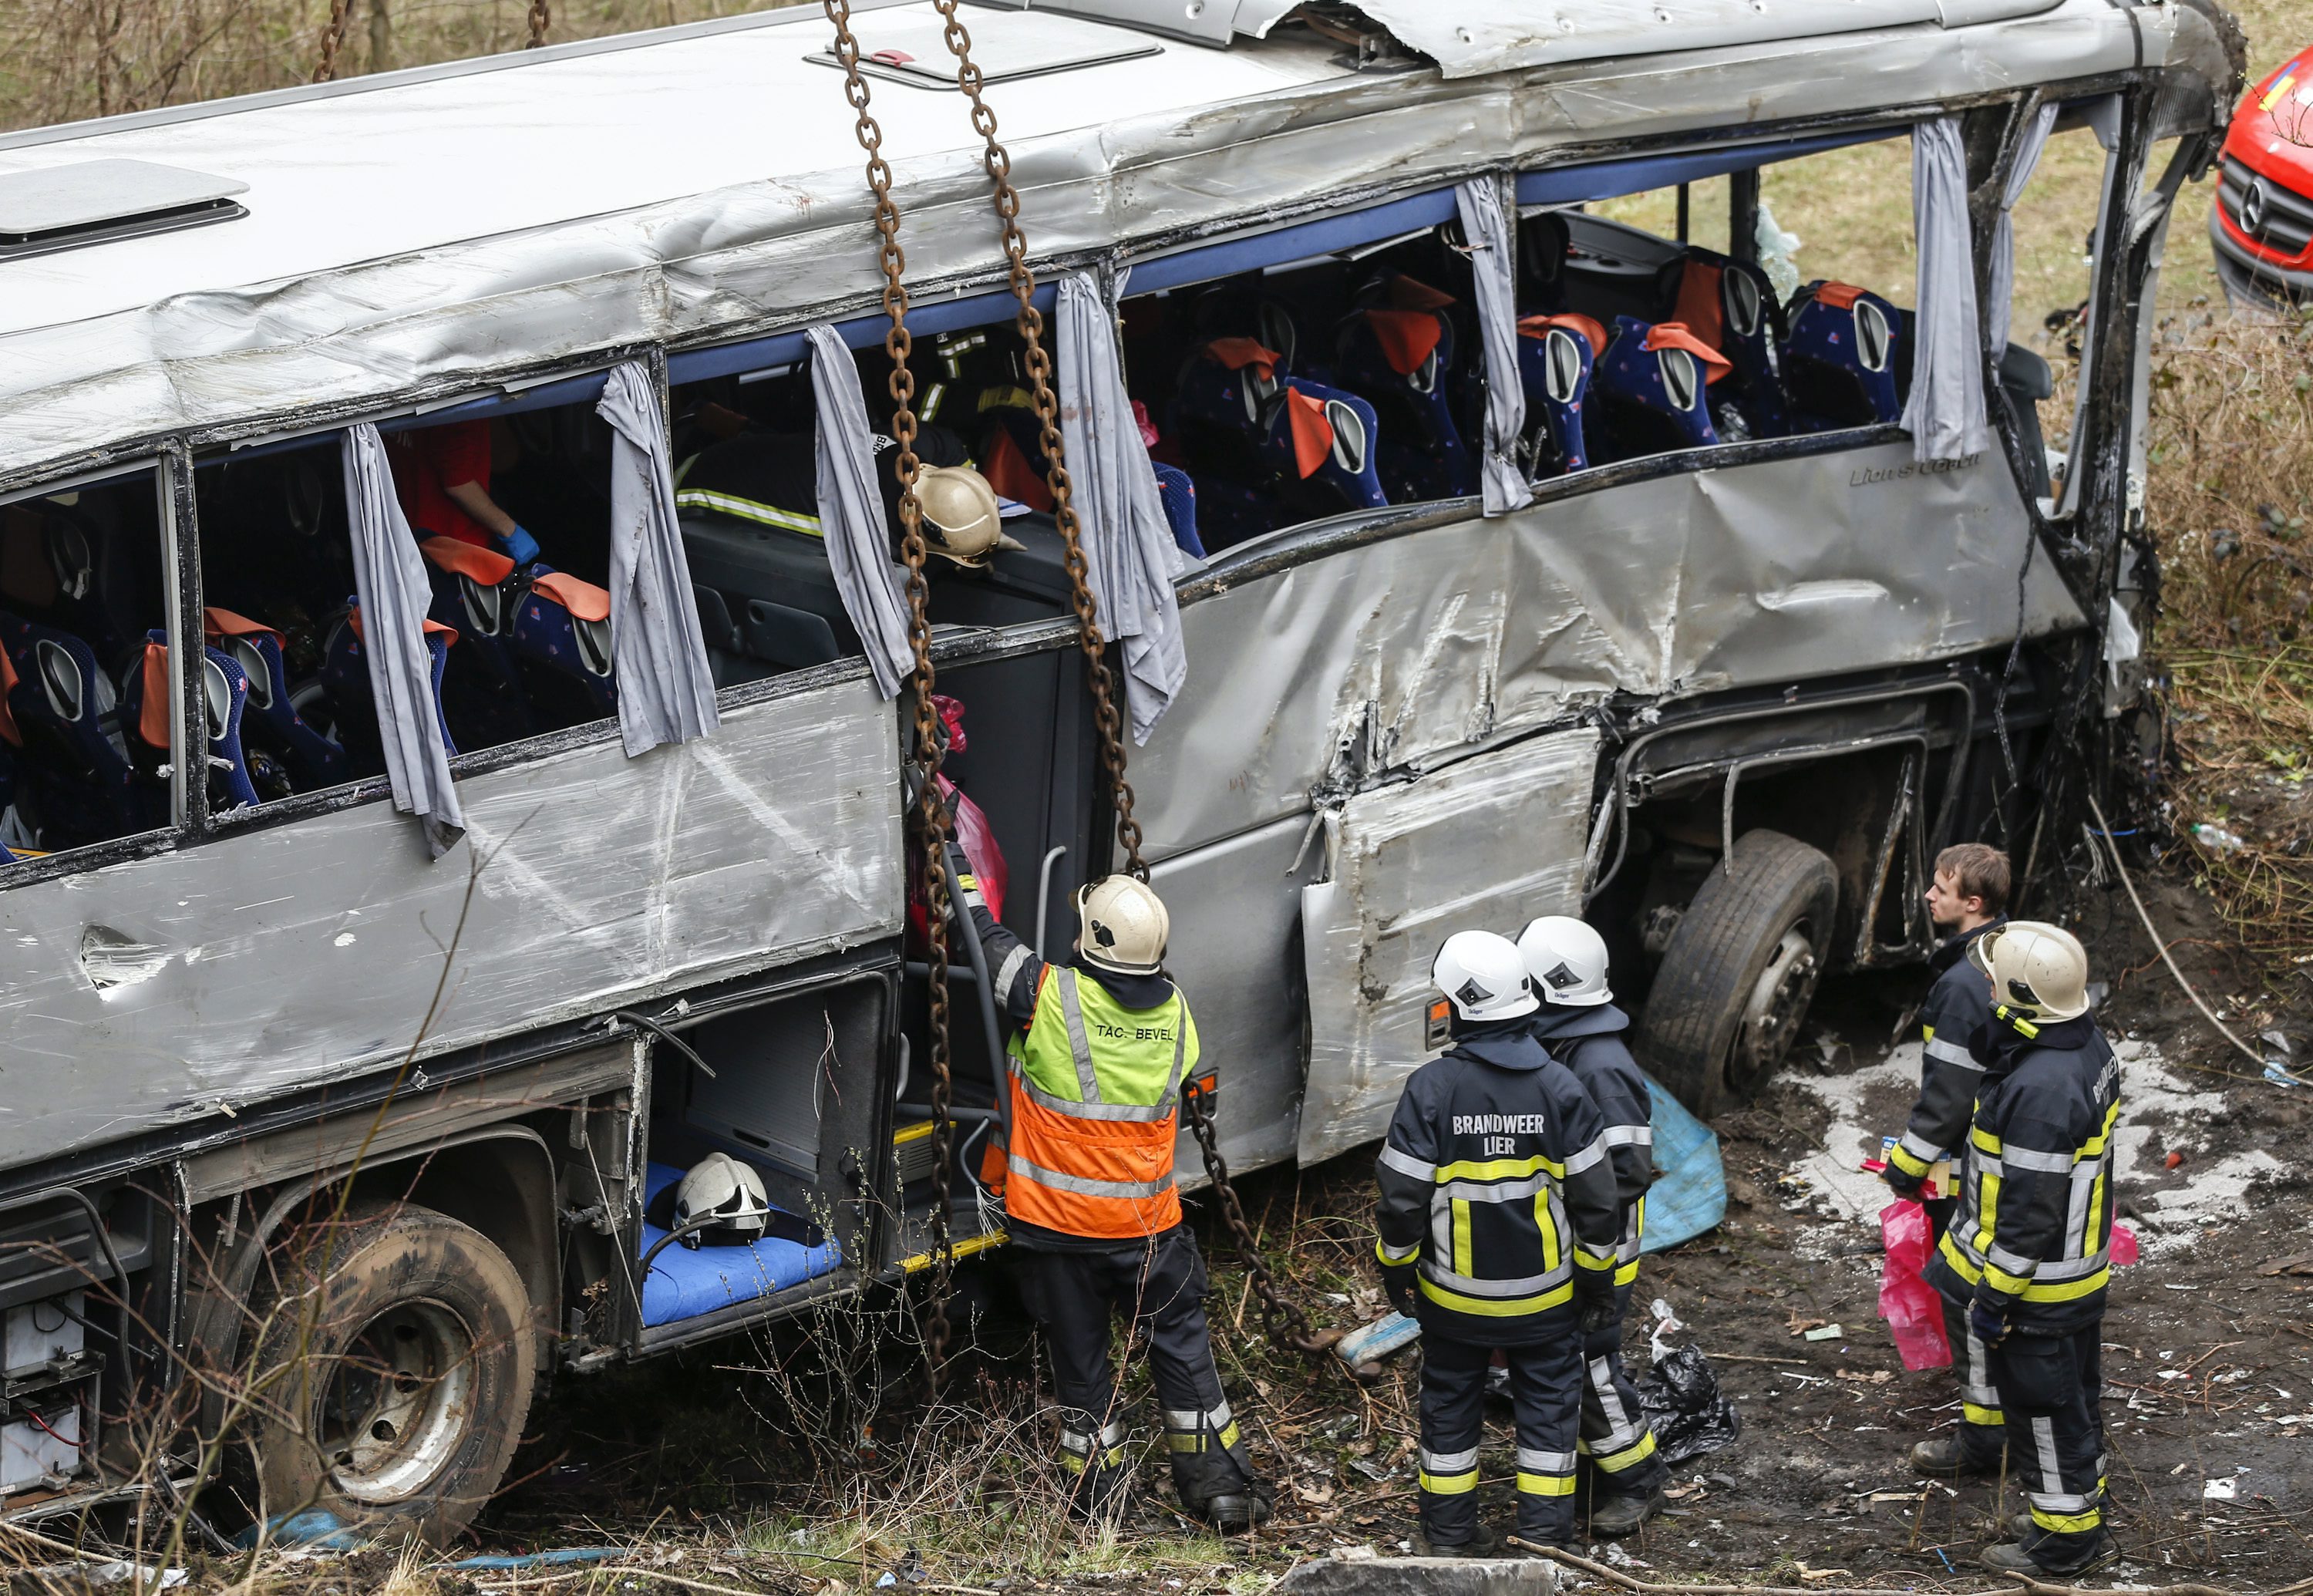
pixel 1578 1025
pixel 1100 1049
pixel 1967 896
pixel 1498 1225
pixel 2026 1254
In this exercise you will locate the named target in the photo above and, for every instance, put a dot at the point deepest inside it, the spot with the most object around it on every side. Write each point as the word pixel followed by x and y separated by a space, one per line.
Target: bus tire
pixel 1739 970
pixel 394 1396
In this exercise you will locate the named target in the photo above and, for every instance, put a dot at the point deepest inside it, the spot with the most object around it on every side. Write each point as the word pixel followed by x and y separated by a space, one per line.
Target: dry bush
pixel 2229 497
pixel 61 60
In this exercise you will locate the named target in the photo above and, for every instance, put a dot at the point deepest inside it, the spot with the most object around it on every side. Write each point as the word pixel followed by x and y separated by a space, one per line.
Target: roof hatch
pixel 913 50
pixel 91 202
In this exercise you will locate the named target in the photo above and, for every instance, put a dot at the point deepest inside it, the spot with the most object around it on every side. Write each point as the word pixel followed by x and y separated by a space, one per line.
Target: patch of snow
pixel 1834 1173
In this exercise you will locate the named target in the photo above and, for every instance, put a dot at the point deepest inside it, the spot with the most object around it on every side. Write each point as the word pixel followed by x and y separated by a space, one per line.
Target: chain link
pixel 541 19
pixel 930 818
pixel 334 38
pixel 1283 1321
pixel 1031 323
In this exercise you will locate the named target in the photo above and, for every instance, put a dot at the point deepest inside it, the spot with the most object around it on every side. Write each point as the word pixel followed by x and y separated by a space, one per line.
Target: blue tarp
pixel 684 1284
pixel 1689 1195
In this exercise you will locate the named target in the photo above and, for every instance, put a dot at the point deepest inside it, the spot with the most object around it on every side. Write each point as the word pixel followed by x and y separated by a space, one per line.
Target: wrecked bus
pixel 1525 558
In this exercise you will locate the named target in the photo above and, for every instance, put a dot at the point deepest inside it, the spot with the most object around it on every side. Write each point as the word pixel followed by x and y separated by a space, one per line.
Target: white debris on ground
pixel 2159 1114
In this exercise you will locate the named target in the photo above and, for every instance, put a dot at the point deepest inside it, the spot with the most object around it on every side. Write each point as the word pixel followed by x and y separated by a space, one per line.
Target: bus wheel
pixel 394 1396
pixel 1740 970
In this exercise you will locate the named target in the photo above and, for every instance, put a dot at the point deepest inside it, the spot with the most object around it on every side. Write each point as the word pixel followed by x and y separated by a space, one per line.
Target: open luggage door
pixel 1486 844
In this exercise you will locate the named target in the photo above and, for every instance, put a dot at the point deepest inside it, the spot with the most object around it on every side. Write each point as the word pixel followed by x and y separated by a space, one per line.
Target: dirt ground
pixel 753 1456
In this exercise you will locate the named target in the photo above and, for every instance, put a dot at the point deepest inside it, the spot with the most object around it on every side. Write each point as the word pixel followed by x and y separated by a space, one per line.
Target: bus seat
pixel 1177 492
pixel 1839 359
pixel 785 637
pixel 562 629
pixel 145 705
pixel 1402 363
pixel 475 592
pixel 1266 449
pixel 1650 384
pixel 75 572
pixel 344 675
pixel 1556 356
pixel 1543 240
pixel 76 761
pixel 271 726
pixel 1729 305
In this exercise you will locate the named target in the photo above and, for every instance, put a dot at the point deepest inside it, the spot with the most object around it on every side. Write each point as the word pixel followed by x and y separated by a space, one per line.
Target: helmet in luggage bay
pixel 1567 959
pixel 1483 976
pixel 1123 925
pixel 727 1194
pixel 962 520
pixel 2037 970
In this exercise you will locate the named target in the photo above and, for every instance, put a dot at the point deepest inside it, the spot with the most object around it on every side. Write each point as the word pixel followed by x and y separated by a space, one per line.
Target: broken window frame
pixel 181 601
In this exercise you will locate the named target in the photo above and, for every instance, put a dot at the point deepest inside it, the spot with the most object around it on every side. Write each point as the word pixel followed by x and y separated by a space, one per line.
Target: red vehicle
pixel 2262 225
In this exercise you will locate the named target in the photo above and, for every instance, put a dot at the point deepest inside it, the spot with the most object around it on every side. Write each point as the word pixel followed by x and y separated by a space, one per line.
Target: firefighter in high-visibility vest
pixel 1498 1224
pixel 2027 1257
pixel 1579 1026
pixel 1101 1048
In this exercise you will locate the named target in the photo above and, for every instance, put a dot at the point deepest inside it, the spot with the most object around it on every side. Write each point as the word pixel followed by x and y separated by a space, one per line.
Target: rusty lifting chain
pixel 334 38
pixel 541 19
pixel 930 821
pixel 1285 1322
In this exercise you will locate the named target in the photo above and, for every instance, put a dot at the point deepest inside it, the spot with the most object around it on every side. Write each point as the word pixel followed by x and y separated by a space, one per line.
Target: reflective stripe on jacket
pixel 1496 1178
pixel 2034 1221
pixel 1589 1043
pixel 1094 1111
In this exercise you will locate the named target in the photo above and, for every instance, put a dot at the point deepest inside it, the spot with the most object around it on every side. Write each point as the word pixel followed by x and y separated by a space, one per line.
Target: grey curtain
pixel 2004 235
pixel 1127 545
pixel 390 580
pixel 666 691
pixel 1487 229
pixel 851 514
pixel 1946 415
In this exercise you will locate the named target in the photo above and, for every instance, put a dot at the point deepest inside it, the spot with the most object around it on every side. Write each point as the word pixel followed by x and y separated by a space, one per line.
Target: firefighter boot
pixel 1613 1517
pixel 2012 1559
pixel 1947 1458
pixel 1483 1543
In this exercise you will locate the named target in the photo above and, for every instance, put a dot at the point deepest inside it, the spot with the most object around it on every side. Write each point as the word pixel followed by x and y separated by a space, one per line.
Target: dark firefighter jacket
pixel 1495 1177
pixel 1951 1022
pixel 2035 1220
pixel 1589 1043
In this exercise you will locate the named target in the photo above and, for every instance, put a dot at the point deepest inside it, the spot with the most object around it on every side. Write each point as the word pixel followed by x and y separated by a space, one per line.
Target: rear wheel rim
pixel 1778 1000
pixel 398 1402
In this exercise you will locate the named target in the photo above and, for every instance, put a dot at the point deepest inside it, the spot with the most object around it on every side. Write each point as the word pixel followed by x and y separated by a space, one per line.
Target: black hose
pixel 646 1023
pixel 978 956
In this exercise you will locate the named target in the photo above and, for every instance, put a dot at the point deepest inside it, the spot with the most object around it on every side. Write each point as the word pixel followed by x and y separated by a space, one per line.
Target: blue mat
pixel 684 1284
pixel 1689 1195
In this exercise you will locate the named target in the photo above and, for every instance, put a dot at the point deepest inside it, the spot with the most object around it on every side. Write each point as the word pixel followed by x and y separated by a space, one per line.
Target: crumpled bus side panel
pixel 1411 653
pixel 174 988
pixel 1490 843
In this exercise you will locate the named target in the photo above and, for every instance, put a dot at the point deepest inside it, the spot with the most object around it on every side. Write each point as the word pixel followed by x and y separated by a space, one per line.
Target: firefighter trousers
pixel 1615 1434
pixel 1160 1284
pixel 1545 1390
pixel 2051 1394
pixel 1980 1432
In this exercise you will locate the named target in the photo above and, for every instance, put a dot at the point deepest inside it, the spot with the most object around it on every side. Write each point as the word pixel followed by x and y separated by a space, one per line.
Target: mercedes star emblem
pixel 2252 209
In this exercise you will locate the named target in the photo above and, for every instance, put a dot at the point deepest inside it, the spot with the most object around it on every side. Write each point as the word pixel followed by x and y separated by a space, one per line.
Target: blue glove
pixel 520 546
pixel 1987 1323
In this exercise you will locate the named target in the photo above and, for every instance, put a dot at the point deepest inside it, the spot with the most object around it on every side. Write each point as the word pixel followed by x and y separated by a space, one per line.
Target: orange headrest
pixel 472 560
pixel 1407 338
pixel 584 600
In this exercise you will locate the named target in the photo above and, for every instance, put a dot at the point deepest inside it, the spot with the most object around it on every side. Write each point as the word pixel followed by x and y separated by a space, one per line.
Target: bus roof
pixel 405 239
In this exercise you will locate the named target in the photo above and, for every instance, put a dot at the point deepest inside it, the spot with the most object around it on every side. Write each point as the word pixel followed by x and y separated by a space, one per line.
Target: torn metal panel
pixel 1508 35
pixel 1412 649
pixel 1489 842
pixel 176 987
pixel 639 212
pixel 1236 949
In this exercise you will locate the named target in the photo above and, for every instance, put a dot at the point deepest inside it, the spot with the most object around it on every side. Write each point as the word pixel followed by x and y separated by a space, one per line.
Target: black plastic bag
pixel 1681 1401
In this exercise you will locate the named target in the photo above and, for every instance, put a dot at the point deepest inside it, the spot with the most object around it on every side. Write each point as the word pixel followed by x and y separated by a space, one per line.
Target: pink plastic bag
pixel 2123 1246
pixel 1913 1312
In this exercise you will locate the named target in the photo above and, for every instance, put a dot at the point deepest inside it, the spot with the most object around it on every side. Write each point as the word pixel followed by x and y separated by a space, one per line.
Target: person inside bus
pixel 442 475
pixel 772 478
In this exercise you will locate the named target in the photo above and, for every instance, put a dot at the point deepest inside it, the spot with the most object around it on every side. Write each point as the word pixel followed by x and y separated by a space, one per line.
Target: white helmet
pixel 1568 961
pixel 1483 977
pixel 1123 925
pixel 721 1189
pixel 2037 970
pixel 962 520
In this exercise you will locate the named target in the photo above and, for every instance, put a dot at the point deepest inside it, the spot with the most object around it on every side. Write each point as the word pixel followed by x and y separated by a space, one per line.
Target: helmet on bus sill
pixel 961 519
pixel 727 1195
